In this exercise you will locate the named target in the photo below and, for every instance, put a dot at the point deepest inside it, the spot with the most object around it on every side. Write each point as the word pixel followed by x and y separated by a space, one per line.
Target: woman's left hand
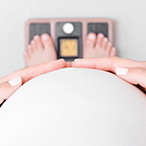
pixel 10 83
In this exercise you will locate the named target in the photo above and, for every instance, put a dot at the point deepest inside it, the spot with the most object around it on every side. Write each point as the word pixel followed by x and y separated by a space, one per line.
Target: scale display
pixel 68 47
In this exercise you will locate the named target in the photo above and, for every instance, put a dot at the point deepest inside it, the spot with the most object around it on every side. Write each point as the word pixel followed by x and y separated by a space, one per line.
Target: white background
pixel 129 18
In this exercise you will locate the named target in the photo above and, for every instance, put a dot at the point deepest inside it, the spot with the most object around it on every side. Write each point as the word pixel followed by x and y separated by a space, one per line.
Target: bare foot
pixel 40 50
pixel 98 46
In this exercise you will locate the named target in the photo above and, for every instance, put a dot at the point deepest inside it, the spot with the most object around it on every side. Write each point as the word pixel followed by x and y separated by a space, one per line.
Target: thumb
pixel 135 75
pixel 9 87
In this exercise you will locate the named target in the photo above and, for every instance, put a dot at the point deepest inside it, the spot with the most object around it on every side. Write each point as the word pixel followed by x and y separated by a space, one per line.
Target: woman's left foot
pixel 98 46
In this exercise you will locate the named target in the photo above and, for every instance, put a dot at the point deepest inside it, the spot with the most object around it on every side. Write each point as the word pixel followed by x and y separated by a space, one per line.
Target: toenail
pixel 36 37
pixel 45 37
pixel 110 43
pixel 91 36
pixel 113 49
pixel 100 35
pixel 32 42
pixel 105 39
pixel 29 46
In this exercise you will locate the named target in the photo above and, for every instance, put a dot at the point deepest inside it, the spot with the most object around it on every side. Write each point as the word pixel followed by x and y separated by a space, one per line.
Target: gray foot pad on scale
pixel 38 29
pixel 98 28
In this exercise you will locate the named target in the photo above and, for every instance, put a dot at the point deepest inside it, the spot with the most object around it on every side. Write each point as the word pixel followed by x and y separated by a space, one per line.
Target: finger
pixel 94 63
pixel 68 64
pixel 133 75
pixel 107 64
pixel 34 71
pixel 8 88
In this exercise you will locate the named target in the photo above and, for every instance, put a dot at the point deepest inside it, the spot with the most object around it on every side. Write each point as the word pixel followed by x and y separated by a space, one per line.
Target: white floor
pixel 128 16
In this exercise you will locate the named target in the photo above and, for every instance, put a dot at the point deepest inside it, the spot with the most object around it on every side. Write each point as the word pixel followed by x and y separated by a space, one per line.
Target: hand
pixel 10 83
pixel 131 71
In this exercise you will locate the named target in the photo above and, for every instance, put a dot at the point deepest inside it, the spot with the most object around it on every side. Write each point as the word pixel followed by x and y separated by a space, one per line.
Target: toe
pixel 99 40
pixel 29 51
pixel 47 41
pixel 109 48
pixel 113 52
pixel 90 40
pixel 38 42
pixel 49 46
pixel 104 43
pixel 33 45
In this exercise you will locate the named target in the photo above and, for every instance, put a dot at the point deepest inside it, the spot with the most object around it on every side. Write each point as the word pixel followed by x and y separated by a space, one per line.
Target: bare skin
pixel 97 46
pixel 42 49
pixel 10 83
pixel 131 71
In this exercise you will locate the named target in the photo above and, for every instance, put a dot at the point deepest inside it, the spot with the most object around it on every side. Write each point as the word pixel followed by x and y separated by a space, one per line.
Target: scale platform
pixel 68 34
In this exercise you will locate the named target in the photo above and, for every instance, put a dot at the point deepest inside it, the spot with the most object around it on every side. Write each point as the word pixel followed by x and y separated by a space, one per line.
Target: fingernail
pixel 73 64
pixel 91 36
pixel 45 37
pixel 121 71
pixel 15 81
pixel 61 59
pixel 76 59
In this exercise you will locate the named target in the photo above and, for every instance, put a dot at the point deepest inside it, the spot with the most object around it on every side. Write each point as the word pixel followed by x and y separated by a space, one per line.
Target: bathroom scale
pixel 68 34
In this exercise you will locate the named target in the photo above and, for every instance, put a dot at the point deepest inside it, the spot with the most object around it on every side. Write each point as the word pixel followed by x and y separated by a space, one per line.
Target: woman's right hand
pixel 131 71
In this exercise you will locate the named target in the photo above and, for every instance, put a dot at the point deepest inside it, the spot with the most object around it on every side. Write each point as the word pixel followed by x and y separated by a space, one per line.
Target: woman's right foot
pixel 98 46
pixel 40 50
